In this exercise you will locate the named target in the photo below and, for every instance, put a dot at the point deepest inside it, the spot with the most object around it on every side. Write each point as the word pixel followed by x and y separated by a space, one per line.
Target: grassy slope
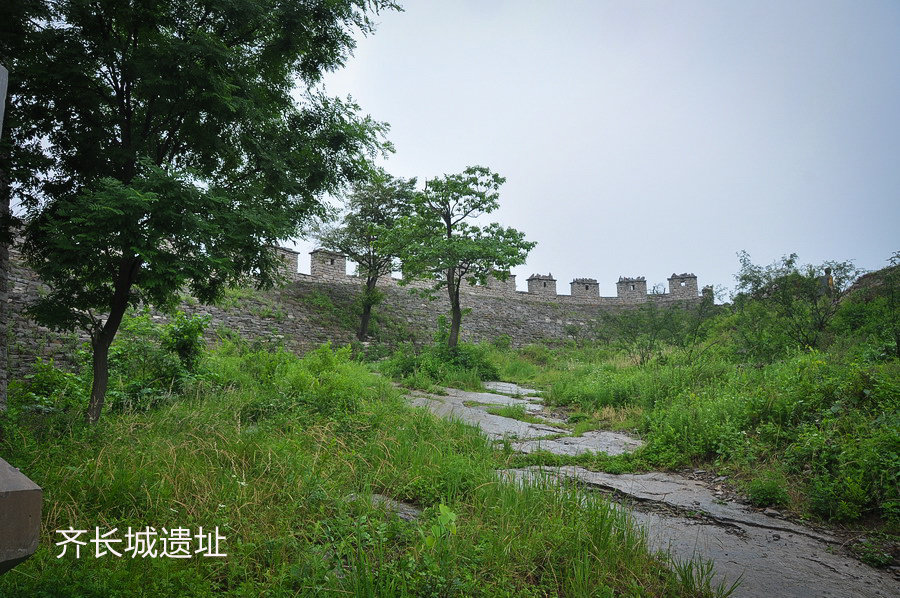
pixel 815 431
pixel 271 448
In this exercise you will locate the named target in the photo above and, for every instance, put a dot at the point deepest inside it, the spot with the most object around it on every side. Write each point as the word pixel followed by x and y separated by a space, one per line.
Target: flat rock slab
pixel 509 388
pixel 595 441
pixel 495 427
pixel 772 557
pixel 404 511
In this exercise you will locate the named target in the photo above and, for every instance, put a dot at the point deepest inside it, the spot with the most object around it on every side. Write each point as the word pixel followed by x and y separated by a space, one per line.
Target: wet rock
pixel 596 441
pixel 684 516
pixel 403 510
pixel 508 388
pixel 794 562
pixel 471 407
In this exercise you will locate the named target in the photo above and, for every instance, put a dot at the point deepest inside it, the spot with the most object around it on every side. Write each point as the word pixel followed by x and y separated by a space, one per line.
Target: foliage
pixel 871 313
pixel 768 490
pixel 798 303
pixel 438 242
pixel 372 210
pixel 465 365
pixel 810 430
pixel 290 488
pixel 175 154
pixel 184 337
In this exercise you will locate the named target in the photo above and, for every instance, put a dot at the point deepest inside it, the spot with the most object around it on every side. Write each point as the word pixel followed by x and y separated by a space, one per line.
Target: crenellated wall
pixel 292 315
pixel 332 267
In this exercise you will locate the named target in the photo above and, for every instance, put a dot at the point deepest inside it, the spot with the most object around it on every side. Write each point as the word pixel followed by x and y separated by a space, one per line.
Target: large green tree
pixel 164 144
pixel 439 241
pixel 371 211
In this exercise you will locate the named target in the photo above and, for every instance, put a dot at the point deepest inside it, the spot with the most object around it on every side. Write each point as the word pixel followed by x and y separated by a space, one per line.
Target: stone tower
pixel 585 287
pixel 683 286
pixel 290 258
pixel 632 290
pixel 327 265
pixel 542 284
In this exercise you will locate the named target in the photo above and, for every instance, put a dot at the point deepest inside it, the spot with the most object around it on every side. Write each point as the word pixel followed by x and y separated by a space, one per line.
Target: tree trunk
pixel 367 303
pixel 100 348
pixel 455 317
pixel 102 339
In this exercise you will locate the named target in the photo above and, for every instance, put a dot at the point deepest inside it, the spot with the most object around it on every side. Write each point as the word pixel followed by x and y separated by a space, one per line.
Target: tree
pixel 159 145
pixel 438 242
pixel 372 210
pixel 786 304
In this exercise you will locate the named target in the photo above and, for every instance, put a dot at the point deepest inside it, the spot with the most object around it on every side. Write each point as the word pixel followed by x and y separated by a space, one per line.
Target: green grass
pixel 270 448
pixel 517 412
pixel 827 421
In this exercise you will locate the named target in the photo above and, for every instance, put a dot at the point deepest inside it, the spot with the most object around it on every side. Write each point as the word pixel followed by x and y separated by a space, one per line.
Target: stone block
pixel 20 516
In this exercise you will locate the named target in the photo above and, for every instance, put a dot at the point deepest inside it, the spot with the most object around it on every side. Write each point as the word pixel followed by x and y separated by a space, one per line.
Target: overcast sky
pixel 642 138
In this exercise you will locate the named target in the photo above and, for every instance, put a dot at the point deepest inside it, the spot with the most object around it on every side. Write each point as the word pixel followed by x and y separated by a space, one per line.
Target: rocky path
pixel 772 556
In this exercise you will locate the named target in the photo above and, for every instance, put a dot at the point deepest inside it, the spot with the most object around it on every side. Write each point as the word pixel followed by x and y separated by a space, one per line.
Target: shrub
pixel 184 337
pixel 465 365
pixel 768 490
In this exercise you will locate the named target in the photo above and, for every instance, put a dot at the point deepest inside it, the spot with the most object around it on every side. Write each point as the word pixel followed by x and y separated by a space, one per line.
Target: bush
pixel 184 337
pixel 768 490
pixel 465 365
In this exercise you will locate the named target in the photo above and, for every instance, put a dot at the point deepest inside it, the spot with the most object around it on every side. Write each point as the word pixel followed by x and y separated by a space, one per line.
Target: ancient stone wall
pixel 683 286
pixel 584 287
pixel 327 265
pixel 542 285
pixel 312 309
pixel 632 290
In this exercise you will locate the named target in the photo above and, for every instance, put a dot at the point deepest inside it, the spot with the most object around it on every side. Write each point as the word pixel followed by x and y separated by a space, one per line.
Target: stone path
pixel 772 556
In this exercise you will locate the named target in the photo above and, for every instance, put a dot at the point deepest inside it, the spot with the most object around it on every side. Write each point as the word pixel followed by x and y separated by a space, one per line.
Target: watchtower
pixel 542 284
pixel 289 257
pixel 328 265
pixel 632 290
pixel 585 287
pixel 683 286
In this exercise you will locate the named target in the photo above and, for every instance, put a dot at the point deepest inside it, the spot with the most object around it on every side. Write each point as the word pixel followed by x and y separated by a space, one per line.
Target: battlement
pixel 584 287
pixel 329 266
pixel 540 284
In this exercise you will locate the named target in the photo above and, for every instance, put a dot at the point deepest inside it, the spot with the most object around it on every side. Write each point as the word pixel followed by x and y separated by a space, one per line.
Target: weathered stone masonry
pixel 332 267
pixel 286 316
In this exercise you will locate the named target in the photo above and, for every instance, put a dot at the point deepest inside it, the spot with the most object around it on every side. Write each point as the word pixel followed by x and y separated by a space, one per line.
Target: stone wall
pixel 584 287
pixel 683 286
pixel 327 265
pixel 542 285
pixel 310 310
pixel 632 290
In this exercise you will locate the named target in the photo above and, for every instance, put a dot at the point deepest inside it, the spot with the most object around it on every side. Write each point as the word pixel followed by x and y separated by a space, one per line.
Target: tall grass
pixel 827 420
pixel 282 453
